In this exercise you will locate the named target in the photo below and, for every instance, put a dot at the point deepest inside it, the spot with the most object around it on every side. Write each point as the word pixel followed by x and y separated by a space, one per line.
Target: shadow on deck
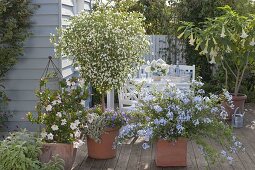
pixel 132 157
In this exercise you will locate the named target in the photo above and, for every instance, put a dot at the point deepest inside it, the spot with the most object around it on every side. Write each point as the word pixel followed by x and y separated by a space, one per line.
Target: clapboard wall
pixel 23 79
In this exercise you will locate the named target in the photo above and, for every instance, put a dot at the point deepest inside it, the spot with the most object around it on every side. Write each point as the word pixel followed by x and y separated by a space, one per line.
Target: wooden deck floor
pixel 132 157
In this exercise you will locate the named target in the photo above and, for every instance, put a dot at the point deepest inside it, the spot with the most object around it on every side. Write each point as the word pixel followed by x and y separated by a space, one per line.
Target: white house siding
pixel 23 79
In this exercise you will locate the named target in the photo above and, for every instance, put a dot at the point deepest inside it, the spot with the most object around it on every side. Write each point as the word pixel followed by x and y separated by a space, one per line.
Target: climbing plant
pixel 14 24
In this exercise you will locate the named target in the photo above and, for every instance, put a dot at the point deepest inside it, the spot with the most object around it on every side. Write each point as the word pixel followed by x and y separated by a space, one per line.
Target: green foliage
pixel 14 24
pixel 58 110
pixel 228 39
pixel 20 151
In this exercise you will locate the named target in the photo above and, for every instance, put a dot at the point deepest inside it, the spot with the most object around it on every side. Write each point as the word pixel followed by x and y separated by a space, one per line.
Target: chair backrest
pixel 128 96
pixel 187 69
pixel 141 70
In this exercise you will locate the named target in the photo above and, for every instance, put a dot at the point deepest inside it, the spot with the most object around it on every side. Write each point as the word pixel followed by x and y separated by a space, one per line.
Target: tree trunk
pixel 103 102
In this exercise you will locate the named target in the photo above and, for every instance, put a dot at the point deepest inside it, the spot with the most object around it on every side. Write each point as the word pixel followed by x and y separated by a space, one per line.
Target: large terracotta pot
pixel 238 101
pixel 65 151
pixel 104 149
pixel 170 153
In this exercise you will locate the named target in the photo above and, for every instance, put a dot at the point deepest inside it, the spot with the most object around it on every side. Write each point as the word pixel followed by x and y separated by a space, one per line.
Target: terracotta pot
pixel 170 153
pixel 156 78
pixel 238 101
pixel 65 151
pixel 104 149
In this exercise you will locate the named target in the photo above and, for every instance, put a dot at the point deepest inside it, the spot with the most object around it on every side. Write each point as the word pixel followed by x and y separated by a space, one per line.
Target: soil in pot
pixel 104 149
pixel 65 151
pixel 171 153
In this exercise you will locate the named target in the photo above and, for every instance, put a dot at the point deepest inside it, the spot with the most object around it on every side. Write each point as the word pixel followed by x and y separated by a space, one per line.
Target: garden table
pixel 181 82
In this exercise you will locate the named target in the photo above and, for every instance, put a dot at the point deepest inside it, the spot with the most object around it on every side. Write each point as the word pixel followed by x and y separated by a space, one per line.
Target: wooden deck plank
pixel 201 162
pixel 145 159
pixel 153 163
pixel 124 157
pixel 110 164
pixel 134 158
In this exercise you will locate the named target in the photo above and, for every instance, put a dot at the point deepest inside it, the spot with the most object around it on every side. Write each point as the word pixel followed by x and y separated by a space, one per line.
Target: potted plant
pixel 158 69
pixel 107 44
pixel 101 129
pixel 228 40
pixel 58 112
pixel 20 151
pixel 172 117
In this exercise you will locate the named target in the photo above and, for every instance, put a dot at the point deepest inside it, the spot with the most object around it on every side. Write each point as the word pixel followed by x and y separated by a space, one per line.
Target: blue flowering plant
pixel 172 113
pixel 95 121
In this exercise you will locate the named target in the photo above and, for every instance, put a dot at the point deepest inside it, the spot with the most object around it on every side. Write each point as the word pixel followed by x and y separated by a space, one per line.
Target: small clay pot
pixel 238 101
pixel 171 153
pixel 65 151
pixel 104 149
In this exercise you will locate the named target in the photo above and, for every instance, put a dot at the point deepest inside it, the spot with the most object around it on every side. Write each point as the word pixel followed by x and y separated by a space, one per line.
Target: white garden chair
pixel 128 97
pixel 187 70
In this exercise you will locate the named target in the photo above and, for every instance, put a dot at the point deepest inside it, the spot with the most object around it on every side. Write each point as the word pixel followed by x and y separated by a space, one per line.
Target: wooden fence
pixel 170 49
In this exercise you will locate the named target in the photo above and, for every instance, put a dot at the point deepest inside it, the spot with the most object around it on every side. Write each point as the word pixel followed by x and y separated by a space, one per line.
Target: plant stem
pixel 241 76
pixel 236 83
pixel 226 75
pixel 102 102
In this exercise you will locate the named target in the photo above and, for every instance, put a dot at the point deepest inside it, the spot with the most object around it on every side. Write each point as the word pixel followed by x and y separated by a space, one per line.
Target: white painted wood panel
pixel 47 9
pixel 45 20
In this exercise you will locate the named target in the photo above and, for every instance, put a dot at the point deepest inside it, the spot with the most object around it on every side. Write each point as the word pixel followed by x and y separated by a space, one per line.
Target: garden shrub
pixel 20 151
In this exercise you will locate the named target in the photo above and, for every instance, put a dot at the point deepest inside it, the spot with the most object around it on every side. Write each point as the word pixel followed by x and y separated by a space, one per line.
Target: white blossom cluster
pixel 108 45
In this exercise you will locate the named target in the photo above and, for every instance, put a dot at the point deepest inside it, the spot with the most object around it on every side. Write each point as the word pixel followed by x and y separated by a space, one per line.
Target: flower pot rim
pixel 239 96
pixel 109 129
pixel 56 143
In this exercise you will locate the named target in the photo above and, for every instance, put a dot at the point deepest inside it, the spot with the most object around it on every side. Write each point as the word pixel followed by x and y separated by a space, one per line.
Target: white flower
pixel 68 82
pixel 73 126
pixel 78 143
pixel 252 43
pixel 63 121
pixel 90 118
pixel 228 50
pixel 54 127
pixel 244 35
pixel 43 134
pixel 59 114
pixel 192 40
pixel 54 102
pixel 77 122
pixel 213 60
pixel 77 133
pixel 48 108
pixel 50 136
pixel 83 102
pixel 222 35
pixel 147 69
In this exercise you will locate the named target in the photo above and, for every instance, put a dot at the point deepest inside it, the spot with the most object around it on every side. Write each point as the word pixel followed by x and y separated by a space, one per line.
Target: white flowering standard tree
pixel 228 40
pixel 106 44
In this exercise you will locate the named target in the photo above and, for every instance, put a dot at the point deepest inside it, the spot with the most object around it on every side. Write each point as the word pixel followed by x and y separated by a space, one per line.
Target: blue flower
pixel 158 108
pixel 170 115
pixel 145 146
pixel 196 122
